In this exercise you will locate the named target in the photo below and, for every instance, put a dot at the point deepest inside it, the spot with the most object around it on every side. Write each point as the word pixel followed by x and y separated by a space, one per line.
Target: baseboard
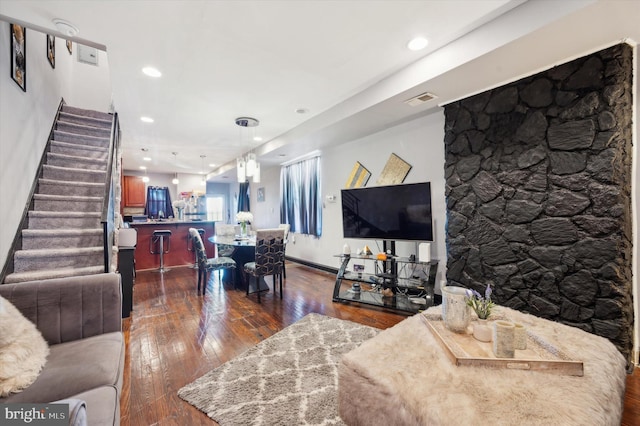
pixel 635 357
pixel 312 264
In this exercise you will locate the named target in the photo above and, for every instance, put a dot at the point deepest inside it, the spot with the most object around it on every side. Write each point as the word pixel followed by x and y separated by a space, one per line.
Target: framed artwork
pixel 394 172
pixel 358 177
pixel 70 46
pixel 51 50
pixel 260 194
pixel 19 55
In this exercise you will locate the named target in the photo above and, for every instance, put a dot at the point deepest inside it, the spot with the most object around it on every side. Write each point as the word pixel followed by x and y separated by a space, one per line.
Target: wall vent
pixel 420 99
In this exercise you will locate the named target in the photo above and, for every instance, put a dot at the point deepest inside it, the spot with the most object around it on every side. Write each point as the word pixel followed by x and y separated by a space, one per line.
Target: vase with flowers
pixel 179 206
pixel 482 306
pixel 243 218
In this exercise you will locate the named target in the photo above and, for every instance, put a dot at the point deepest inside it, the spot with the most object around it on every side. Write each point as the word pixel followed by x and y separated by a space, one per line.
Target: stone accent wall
pixel 538 187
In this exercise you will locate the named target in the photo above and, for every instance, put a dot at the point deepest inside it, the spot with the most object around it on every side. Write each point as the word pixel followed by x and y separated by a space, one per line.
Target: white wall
pixel 419 142
pixel 26 118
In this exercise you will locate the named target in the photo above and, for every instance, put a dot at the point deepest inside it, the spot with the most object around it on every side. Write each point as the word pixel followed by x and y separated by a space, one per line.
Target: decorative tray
pixel 464 349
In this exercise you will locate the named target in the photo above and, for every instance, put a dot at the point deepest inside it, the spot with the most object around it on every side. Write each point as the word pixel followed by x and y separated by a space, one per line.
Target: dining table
pixel 244 252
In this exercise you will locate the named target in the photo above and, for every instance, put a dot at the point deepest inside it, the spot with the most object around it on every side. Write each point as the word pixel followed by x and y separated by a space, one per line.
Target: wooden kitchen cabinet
pixel 134 192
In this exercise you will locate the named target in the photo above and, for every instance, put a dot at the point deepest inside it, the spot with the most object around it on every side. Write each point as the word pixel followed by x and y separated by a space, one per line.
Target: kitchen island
pixel 178 254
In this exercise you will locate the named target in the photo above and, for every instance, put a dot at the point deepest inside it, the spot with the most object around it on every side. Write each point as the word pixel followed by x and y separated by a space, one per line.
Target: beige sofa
pixel 80 318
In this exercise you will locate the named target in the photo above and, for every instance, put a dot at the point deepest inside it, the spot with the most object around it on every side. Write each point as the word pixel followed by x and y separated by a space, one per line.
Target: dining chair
pixel 205 264
pixel 286 228
pixel 269 258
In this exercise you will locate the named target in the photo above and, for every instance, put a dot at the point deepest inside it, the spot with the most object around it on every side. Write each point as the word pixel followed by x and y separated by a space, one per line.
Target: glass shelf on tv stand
pixel 412 283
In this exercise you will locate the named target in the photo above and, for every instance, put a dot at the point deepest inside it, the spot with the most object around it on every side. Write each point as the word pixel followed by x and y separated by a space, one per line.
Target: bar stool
pixel 191 246
pixel 158 238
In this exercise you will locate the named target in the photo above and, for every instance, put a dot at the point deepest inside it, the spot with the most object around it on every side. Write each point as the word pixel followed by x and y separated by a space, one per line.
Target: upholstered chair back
pixel 269 251
pixel 201 253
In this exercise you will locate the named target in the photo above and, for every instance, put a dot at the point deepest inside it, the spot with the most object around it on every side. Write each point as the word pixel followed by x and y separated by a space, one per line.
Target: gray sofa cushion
pixel 75 367
pixel 66 309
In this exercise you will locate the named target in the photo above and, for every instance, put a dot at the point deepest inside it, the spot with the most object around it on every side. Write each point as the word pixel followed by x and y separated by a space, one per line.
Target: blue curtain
pixel 243 197
pixel 158 200
pixel 301 203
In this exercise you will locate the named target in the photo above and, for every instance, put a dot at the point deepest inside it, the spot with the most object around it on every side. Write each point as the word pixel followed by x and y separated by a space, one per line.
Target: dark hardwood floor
pixel 175 336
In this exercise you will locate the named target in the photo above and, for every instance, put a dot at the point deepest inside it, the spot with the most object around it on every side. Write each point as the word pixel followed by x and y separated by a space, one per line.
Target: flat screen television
pixel 393 212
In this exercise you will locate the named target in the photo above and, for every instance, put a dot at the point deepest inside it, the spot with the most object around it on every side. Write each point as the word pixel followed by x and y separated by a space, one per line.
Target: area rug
pixel 291 378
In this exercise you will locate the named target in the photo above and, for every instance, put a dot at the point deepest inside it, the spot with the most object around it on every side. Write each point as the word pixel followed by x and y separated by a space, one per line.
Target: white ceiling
pixel 343 61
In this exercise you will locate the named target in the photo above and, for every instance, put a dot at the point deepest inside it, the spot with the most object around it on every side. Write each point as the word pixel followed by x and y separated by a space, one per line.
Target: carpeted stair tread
pixel 60 232
pixel 19 277
pixel 80 129
pixel 84 119
pixel 73 174
pixel 75 162
pixel 70 188
pixel 86 112
pixel 48 219
pixel 33 239
pixel 65 136
pixel 51 197
pixel 40 259
pixel 79 150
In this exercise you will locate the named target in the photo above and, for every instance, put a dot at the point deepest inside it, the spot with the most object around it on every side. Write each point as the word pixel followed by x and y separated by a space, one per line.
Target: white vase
pixel 456 314
pixel 482 331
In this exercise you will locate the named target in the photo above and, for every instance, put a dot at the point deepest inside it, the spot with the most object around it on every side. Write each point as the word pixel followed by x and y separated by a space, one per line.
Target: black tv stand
pixel 411 281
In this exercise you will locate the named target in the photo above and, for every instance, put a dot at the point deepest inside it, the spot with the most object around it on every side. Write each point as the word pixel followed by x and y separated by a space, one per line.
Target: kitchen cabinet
pixel 134 192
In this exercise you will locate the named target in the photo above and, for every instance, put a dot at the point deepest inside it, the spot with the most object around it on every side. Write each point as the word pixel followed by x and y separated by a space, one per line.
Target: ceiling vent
pixel 87 55
pixel 420 99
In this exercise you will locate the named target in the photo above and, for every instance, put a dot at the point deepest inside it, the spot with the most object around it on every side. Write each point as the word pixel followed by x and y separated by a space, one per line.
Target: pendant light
pixel 175 180
pixel 249 166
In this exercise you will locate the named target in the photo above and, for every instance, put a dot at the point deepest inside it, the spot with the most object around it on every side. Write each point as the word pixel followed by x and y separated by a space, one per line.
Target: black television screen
pixel 394 212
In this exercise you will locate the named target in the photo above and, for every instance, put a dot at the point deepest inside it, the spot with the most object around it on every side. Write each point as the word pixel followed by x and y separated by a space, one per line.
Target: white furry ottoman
pixel 402 377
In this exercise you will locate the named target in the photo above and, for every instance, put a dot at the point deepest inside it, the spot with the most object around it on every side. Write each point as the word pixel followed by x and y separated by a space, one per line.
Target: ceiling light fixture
pixel 152 72
pixel 249 166
pixel 175 180
pixel 146 119
pixel 146 158
pixel 145 178
pixel 66 28
pixel 417 43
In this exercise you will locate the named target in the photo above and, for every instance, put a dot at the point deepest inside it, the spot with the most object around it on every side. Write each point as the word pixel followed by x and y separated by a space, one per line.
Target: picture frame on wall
pixel 261 194
pixel 70 47
pixel 18 35
pixel 51 50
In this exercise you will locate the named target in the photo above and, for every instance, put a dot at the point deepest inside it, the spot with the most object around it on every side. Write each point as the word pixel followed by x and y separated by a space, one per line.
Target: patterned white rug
pixel 291 378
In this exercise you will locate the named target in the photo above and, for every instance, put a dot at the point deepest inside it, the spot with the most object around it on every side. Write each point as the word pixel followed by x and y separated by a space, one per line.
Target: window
pixel 215 208
pixel 301 203
pixel 158 202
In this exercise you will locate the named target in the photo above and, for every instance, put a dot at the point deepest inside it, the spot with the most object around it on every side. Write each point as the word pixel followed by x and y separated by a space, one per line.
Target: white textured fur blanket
pixel 402 377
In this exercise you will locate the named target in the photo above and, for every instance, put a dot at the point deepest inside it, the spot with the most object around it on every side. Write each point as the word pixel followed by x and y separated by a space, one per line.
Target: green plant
pixel 482 305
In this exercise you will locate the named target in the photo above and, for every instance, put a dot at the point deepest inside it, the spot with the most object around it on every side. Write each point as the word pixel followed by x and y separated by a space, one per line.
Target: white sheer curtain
pixel 301 203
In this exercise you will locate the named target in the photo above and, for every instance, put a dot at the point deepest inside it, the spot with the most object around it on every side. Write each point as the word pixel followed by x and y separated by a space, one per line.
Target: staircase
pixel 64 236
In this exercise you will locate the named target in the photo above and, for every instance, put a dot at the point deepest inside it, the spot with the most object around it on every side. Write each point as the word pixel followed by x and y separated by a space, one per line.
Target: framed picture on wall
pixel 260 194
pixel 19 55
pixel 70 46
pixel 51 50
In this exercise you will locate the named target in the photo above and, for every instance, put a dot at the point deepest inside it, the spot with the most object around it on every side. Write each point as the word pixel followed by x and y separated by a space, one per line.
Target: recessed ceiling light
pixel 282 155
pixel 151 72
pixel 417 43
pixel 212 165
pixel 302 110
pixel 146 158
pixel 66 28
pixel 146 119
pixel 143 167
pixel 257 139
